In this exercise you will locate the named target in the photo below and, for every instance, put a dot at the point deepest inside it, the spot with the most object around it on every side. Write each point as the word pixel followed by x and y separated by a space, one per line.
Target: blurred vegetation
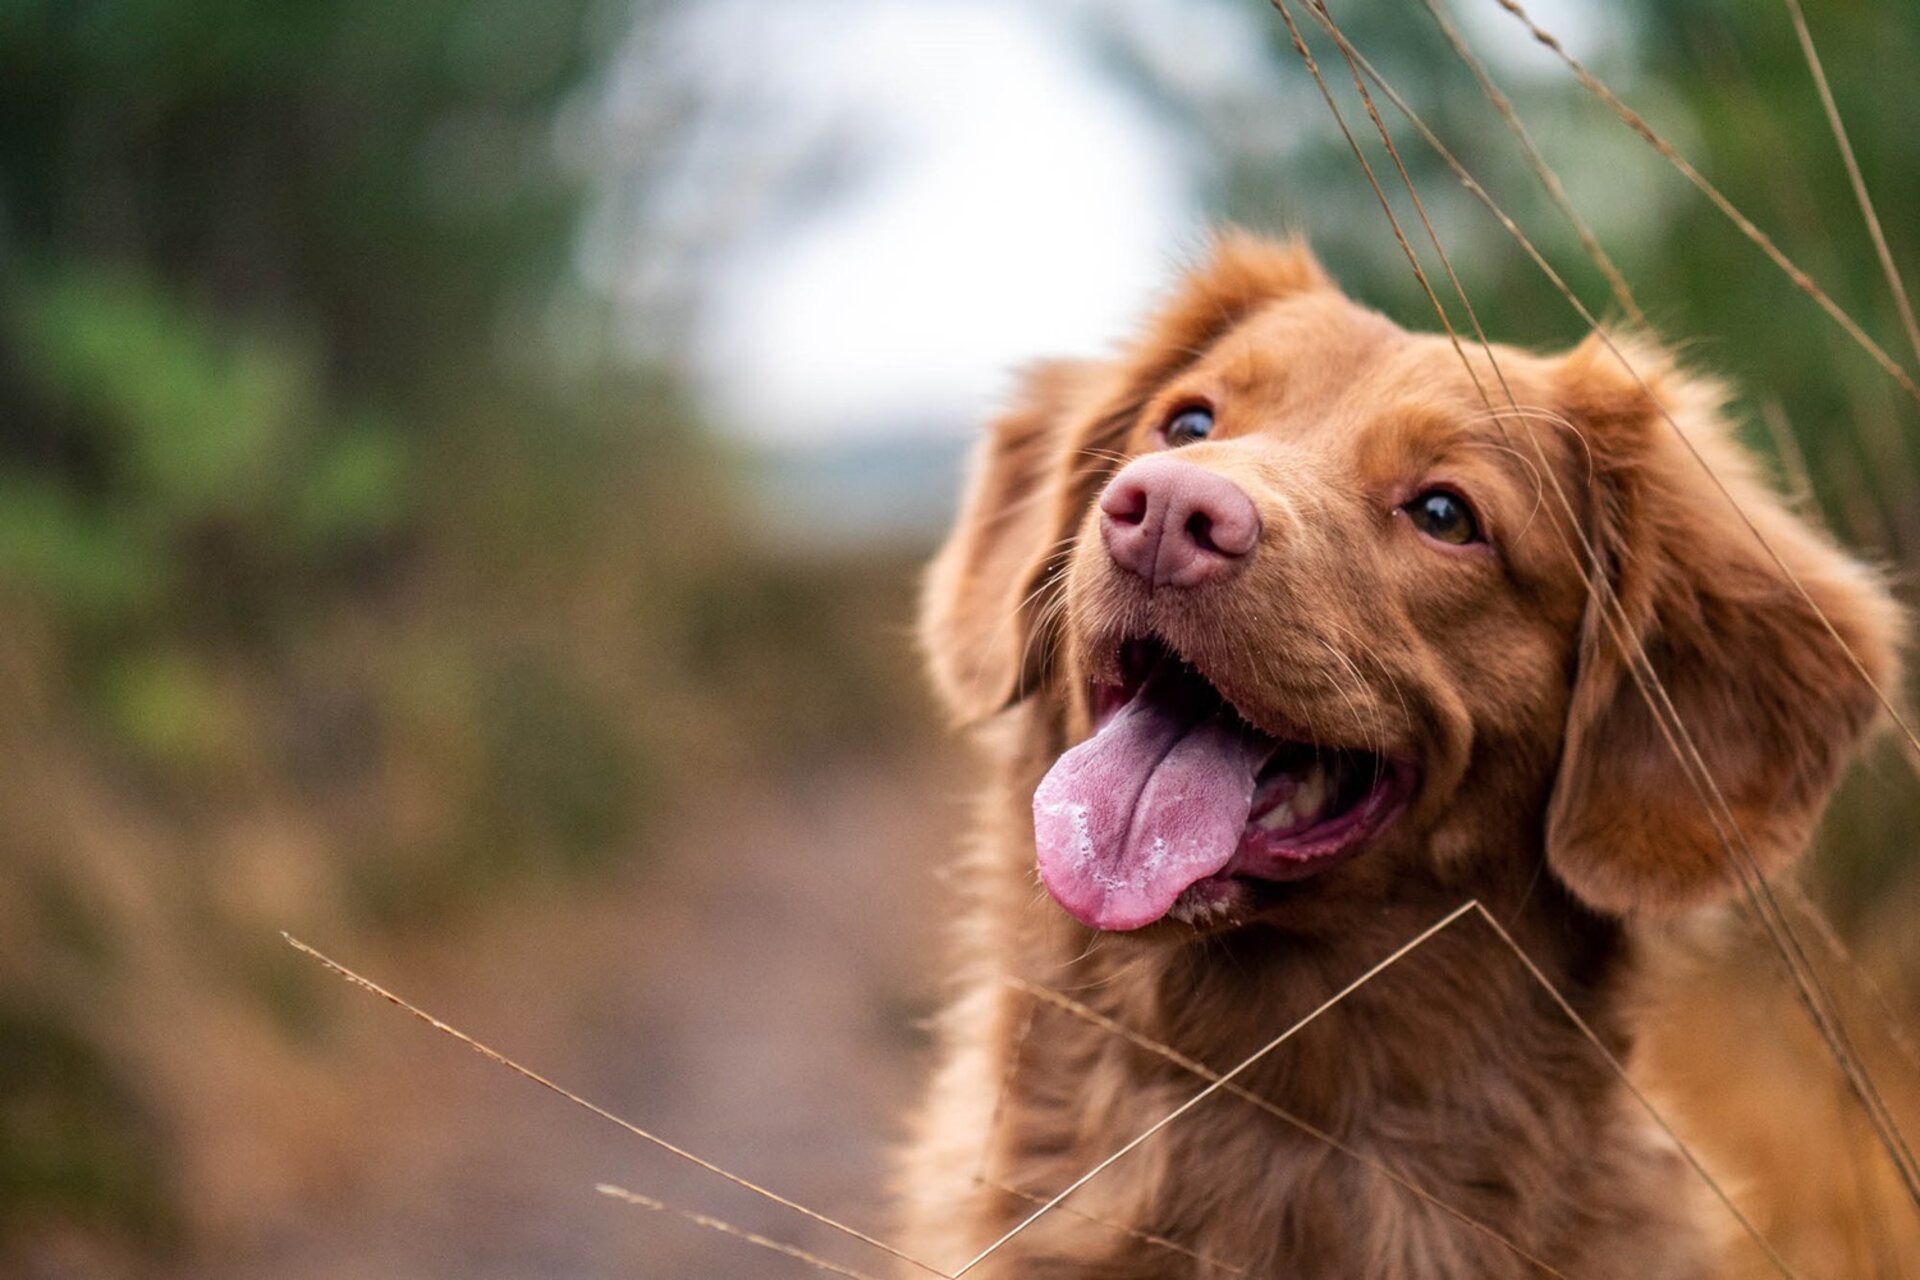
pixel 1746 86
pixel 333 593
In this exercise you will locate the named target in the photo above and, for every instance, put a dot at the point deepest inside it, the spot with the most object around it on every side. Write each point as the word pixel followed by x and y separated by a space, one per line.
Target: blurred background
pixel 463 469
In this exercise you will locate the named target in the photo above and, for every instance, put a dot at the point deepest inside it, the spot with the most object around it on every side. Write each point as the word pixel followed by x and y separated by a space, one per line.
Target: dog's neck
pixel 1451 1086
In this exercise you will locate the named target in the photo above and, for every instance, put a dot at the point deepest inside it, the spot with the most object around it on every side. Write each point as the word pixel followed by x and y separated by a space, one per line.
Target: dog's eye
pixel 1195 422
pixel 1444 517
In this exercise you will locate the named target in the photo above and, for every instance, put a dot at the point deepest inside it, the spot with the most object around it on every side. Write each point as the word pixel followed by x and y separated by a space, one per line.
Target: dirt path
pixel 751 993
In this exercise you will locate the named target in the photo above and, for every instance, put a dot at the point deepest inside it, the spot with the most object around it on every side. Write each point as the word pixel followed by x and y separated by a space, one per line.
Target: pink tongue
pixel 1153 802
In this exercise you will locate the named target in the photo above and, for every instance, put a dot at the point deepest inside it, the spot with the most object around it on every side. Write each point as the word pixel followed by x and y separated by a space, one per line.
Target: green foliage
pixel 73 550
pixel 74 1142
pixel 200 436
pixel 377 173
pixel 1765 140
pixel 256 261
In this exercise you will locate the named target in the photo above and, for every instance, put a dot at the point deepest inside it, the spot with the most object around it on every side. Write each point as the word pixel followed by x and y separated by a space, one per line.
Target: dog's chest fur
pixel 1451 1074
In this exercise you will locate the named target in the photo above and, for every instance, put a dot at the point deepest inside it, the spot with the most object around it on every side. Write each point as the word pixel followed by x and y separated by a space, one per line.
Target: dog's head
pixel 1307 602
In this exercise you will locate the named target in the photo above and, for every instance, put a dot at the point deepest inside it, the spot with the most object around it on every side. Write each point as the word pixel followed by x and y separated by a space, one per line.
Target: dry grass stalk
pixel 712 1223
pixel 501 1059
pixel 1634 121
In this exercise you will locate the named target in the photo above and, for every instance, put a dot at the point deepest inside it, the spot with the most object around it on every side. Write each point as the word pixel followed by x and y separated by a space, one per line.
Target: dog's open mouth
pixel 1176 798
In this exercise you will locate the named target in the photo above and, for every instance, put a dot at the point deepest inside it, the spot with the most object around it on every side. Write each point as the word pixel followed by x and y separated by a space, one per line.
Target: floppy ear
pixel 979 610
pixel 987 593
pixel 1769 698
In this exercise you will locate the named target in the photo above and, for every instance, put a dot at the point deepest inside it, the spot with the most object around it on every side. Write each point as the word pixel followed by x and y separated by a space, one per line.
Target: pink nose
pixel 1176 523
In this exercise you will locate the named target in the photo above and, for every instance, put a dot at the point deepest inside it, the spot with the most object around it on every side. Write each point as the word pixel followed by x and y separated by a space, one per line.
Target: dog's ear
pixel 1765 691
pixel 979 605
pixel 987 596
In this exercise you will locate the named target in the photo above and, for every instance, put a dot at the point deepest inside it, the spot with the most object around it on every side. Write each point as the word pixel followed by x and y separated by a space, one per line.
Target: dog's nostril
pixel 1200 529
pixel 1128 507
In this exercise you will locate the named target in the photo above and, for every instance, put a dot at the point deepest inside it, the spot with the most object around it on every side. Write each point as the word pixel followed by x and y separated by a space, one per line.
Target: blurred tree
pixel 250 252
pixel 376 176
pixel 1279 158
pixel 1758 122
pixel 347 573
pixel 260 265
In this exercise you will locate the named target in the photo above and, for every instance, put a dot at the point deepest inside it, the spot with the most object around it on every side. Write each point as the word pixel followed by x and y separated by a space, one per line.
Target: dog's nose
pixel 1175 523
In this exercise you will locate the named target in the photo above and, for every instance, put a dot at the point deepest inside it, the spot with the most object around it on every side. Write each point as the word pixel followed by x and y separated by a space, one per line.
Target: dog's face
pixel 1313 603
pixel 1321 587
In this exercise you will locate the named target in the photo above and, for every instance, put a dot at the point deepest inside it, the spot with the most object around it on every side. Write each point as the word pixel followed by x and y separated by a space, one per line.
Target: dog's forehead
pixel 1303 350
pixel 1324 360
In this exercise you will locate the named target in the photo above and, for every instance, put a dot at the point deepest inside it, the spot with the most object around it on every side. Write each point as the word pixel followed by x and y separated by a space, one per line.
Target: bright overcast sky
pixel 1016 199
pixel 1030 209
pixel 1019 202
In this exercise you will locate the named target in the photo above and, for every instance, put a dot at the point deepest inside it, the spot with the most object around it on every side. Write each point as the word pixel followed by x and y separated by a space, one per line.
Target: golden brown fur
pixel 1548 793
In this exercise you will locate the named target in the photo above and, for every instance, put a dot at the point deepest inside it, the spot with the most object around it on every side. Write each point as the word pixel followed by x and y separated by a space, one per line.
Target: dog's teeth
pixel 1311 795
pixel 1278 818
pixel 1311 791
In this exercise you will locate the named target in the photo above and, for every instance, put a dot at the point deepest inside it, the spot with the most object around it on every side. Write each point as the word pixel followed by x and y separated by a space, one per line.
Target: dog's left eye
pixel 1191 424
pixel 1444 517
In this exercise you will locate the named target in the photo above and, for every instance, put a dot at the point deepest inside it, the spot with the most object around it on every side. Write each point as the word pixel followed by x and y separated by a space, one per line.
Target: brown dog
pixel 1282 631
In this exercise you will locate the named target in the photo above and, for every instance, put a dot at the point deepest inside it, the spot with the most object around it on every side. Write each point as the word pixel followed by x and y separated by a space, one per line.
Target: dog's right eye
pixel 1445 517
pixel 1193 423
